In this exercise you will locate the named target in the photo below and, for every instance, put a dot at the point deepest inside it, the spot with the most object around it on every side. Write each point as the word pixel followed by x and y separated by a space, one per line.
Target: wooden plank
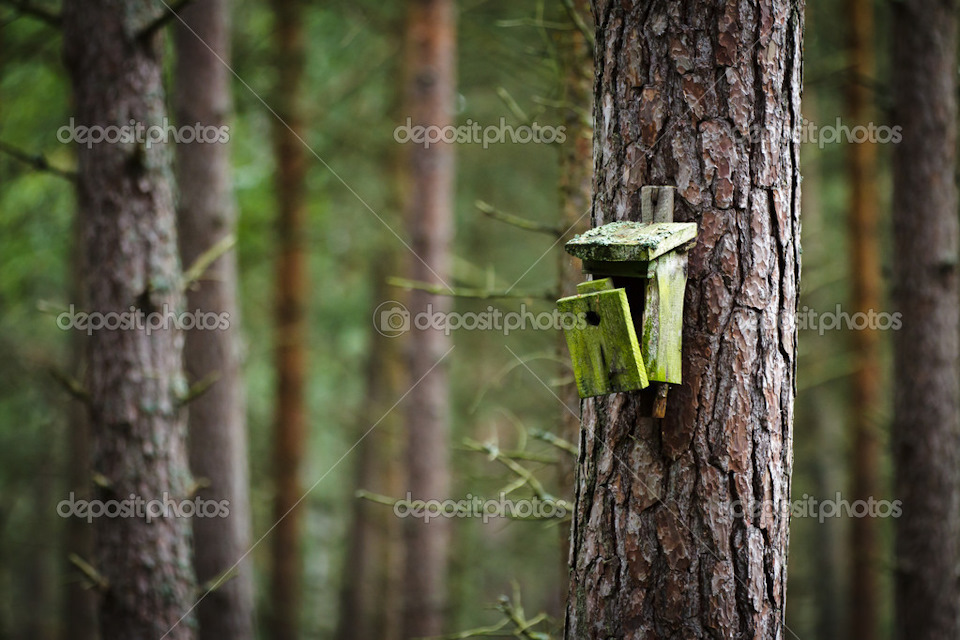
pixel 656 204
pixel 631 241
pixel 663 318
pixel 592 286
pixel 603 347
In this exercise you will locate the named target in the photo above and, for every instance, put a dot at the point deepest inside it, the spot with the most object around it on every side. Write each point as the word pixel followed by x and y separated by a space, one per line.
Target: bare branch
pixel 578 22
pixel 477 294
pixel 171 12
pixel 38 161
pixel 47 17
pixel 94 576
pixel 71 385
pixel 207 258
pixel 490 211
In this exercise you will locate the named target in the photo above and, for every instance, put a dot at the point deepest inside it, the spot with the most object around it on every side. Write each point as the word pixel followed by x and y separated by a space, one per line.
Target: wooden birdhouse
pixel 632 310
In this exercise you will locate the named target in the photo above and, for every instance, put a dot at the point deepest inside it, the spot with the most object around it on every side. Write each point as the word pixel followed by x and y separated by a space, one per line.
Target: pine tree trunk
pixel 704 96
pixel 365 595
pixel 217 418
pixel 80 604
pixel 431 34
pixel 291 292
pixel 576 178
pixel 865 274
pixel 128 220
pixel 926 349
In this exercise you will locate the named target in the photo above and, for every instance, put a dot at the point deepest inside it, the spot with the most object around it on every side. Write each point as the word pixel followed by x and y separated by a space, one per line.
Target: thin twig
pixel 461 292
pixel 159 23
pixel 47 17
pixel 94 576
pixel 207 258
pixel 490 211
pixel 37 161
pixel 578 22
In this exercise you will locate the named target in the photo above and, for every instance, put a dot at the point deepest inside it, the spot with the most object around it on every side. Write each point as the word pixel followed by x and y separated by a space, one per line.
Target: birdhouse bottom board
pixel 603 345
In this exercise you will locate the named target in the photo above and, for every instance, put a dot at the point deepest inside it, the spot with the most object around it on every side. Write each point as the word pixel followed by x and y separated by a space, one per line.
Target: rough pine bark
pixel 128 223
pixel 429 78
pixel 291 301
pixel 217 418
pixel 680 527
pixel 926 348
pixel 865 277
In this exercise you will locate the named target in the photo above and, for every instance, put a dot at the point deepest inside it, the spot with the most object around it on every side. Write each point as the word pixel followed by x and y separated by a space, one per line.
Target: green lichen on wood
pixel 631 241
pixel 592 286
pixel 603 346
pixel 663 318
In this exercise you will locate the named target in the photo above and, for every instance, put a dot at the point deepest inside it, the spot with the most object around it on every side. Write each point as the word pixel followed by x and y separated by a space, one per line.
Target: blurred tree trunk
pixel 828 544
pixel 430 87
pixel 865 276
pixel 576 177
pixel 134 380
pixel 659 546
pixel 291 302
pixel 926 349
pixel 79 602
pixel 217 418
pixel 365 598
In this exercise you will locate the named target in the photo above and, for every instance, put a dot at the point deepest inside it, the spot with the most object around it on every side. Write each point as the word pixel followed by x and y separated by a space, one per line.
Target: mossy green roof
pixel 631 241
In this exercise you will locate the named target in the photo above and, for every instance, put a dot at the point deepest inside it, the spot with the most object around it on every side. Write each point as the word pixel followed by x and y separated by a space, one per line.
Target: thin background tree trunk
pixel 430 86
pixel 291 301
pixel 576 185
pixel 865 276
pixel 125 199
pixel 926 291
pixel 217 418
pixel 704 96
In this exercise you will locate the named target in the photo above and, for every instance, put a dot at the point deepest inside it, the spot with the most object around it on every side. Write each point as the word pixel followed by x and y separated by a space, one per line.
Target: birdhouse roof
pixel 631 241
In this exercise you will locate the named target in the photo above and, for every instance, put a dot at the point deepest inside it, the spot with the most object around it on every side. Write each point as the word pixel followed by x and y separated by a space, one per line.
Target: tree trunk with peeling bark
pixel 681 524
pixel 430 73
pixel 135 381
pixel 291 301
pixel 217 418
pixel 926 348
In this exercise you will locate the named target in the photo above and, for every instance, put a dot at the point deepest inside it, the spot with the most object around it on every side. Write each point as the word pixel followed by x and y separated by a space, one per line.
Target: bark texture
pixel 865 276
pixel 217 418
pixel 926 349
pixel 429 78
pixel 291 302
pixel 129 232
pixel 680 526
